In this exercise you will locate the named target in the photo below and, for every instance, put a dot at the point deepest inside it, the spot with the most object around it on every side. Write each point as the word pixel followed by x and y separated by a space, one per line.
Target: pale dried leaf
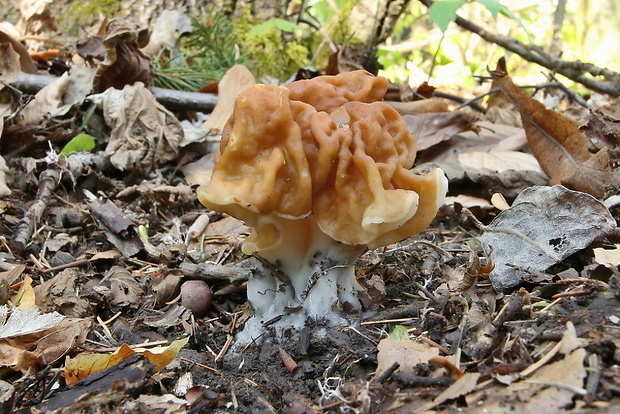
pixel 9 63
pixel 406 352
pixel 609 257
pixel 236 80
pixel 500 160
pixel 25 322
pixel 144 133
pixel 46 101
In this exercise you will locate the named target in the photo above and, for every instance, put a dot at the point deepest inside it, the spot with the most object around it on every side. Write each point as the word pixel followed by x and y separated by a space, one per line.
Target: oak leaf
pixel 558 144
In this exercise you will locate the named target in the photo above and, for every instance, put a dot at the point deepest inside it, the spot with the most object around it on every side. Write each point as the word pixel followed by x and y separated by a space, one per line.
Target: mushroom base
pixel 308 279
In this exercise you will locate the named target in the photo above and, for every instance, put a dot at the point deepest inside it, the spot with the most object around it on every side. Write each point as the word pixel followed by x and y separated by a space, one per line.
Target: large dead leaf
pixel 124 63
pixel 10 48
pixel 25 322
pixel 544 226
pixel 406 352
pixel 236 80
pixel 433 128
pixel 500 160
pixel 144 133
pixel 85 364
pixel 558 144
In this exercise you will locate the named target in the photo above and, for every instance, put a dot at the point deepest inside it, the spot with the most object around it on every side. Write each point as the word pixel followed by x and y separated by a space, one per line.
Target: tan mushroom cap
pixel 327 149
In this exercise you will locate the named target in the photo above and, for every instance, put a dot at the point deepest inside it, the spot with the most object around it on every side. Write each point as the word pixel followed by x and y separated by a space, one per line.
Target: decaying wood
pixel 171 99
pixel 103 387
pixel 575 70
pixel 48 181
pixel 209 272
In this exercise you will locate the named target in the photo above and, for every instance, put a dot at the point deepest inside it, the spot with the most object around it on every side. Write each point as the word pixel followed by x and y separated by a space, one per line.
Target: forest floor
pixel 121 293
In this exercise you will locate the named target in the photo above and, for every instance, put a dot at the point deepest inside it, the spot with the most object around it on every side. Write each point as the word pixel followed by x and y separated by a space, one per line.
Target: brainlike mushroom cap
pixel 325 148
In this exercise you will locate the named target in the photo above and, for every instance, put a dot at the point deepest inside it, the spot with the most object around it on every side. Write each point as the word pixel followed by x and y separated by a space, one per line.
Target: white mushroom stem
pixel 312 277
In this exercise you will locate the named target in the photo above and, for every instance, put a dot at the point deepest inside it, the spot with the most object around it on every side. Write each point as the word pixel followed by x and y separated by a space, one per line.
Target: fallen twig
pixel 48 181
pixel 171 99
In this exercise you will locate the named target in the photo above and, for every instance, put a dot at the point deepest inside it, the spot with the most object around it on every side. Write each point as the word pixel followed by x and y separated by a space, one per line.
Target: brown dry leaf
pixel 463 386
pixel 124 63
pixel 46 101
pixel 85 364
pixel 558 144
pixel 61 293
pixel 199 172
pixel 499 108
pixel 68 336
pixel 603 129
pixel 17 358
pixel 432 128
pixel 144 133
pixel 9 62
pixel 37 18
pixel 10 276
pixel 10 47
pixel 425 106
pixel 236 80
pixel 124 288
pixel 406 352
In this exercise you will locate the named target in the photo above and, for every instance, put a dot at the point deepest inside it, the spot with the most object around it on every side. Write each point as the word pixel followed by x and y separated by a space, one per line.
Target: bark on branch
pixel 575 70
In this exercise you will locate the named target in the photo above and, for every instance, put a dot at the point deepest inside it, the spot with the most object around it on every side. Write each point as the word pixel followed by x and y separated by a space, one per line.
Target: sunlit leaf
pixel 443 12
pixel 493 6
pixel 265 27
pixel 84 364
pixel 399 333
pixel 79 143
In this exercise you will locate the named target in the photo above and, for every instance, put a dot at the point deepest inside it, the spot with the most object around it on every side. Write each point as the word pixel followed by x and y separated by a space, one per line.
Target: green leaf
pixel 443 12
pixel 81 142
pixel 399 333
pixel 493 6
pixel 268 25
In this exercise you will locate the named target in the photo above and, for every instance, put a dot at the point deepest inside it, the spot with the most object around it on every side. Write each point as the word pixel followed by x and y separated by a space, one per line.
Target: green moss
pixel 76 15
pixel 273 53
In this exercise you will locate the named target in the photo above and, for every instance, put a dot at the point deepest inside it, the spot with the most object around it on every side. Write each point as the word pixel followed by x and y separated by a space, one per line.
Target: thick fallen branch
pixel 171 99
pixel 575 70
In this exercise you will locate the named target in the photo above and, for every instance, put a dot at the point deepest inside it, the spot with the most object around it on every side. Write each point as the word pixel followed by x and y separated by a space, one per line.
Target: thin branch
pixel 574 70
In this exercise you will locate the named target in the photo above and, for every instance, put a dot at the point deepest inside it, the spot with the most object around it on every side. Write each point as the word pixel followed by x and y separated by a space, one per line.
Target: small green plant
pixel 79 143
pixel 442 12
pixel 275 47
pixel 207 54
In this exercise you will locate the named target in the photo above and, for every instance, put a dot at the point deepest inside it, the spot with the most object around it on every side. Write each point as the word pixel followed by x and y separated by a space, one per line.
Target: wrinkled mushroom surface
pixel 320 171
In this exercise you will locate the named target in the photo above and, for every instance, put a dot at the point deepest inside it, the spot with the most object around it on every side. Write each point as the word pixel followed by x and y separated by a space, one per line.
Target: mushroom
pixel 320 171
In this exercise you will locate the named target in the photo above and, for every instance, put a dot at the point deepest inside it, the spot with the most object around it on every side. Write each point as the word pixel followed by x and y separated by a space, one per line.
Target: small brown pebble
pixel 196 295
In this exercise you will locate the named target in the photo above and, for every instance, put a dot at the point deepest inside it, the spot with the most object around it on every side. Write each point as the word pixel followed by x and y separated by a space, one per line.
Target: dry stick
pixel 575 70
pixel 48 181
pixel 171 99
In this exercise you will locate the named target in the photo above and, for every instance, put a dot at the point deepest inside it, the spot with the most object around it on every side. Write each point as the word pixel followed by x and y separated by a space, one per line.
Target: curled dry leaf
pixel 144 133
pixel 124 63
pixel 558 144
